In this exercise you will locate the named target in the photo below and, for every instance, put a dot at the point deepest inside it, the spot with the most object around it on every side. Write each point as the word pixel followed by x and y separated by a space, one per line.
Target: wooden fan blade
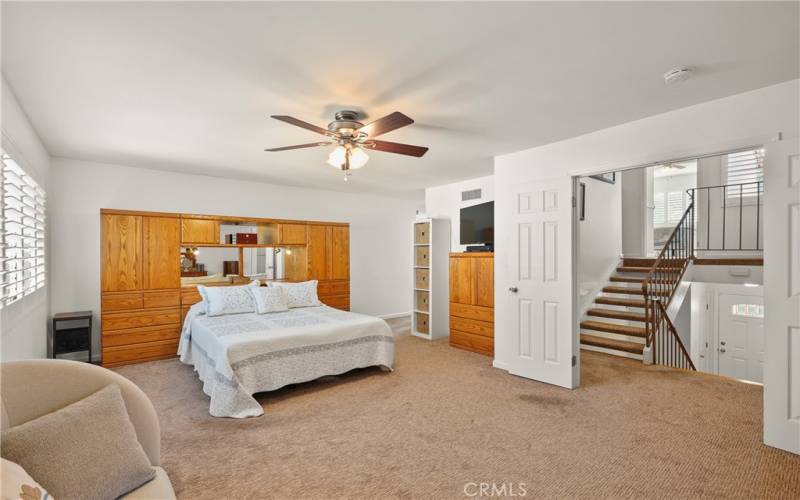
pixel 300 123
pixel 386 124
pixel 394 147
pixel 300 146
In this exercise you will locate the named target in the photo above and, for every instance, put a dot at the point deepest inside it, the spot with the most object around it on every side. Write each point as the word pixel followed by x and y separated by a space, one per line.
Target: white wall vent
pixel 474 194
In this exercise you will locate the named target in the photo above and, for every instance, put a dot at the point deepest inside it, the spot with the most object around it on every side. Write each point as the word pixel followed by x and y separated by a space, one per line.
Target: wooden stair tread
pixel 611 313
pixel 623 290
pixel 625 279
pixel 602 326
pixel 613 301
pixel 618 345
pixel 633 269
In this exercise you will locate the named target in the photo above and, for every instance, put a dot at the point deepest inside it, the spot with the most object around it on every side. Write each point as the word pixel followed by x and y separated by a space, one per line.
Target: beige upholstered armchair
pixel 34 388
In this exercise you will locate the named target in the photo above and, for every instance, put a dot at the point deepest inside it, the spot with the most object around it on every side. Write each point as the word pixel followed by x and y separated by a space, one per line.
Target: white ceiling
pixel 189 87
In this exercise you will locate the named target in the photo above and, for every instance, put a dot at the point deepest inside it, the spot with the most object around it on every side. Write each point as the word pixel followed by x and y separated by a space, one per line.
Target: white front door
pixel 541 287
pixel 741 337
pixel 782 295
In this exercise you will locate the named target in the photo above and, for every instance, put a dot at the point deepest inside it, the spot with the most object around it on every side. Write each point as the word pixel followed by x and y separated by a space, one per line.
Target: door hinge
pixel 706 307
pixel 574 360
pixel 574 202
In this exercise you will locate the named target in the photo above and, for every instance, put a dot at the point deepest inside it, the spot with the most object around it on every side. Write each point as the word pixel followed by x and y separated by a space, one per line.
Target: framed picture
pixel 582 198
pixel 610 177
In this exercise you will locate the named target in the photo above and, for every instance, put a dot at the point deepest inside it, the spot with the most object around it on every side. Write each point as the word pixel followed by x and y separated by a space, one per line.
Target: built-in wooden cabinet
pixel 199 231
pixel 121 252
pixel 142 302
pixel 161 241
pixel 292 234
pixel 472 301
pixel 328 260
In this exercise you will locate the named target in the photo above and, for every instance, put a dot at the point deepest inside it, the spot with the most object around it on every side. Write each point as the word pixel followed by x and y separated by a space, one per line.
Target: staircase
pixel 617 322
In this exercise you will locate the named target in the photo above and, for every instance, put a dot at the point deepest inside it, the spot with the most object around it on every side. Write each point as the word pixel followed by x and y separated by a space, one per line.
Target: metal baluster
pixel 758 214
pixel 708 219
pixel 724 212
pixel 741 188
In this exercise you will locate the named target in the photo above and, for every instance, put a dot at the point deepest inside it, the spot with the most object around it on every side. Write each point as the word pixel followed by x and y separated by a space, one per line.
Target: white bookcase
pixel 430 274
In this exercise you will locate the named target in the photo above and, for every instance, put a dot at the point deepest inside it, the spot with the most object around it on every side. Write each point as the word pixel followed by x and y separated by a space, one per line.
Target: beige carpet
pixel 445 418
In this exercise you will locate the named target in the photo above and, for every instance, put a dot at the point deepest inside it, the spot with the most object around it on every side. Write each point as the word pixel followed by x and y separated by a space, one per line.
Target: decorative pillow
pixel 17 484
pixel 302 294
pixel 228 299
pixel 88 449
pixel 270 299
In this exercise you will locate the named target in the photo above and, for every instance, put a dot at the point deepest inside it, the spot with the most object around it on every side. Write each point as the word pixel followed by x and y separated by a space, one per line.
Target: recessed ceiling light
pixel 677 75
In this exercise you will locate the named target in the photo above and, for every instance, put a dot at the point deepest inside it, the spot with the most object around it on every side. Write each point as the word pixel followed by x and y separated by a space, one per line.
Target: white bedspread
pixel 238 355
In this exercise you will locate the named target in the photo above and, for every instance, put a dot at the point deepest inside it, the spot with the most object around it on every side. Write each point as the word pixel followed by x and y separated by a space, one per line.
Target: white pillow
pixel 270 299
pixel 16 483
pixel 228 299
pixel 302 294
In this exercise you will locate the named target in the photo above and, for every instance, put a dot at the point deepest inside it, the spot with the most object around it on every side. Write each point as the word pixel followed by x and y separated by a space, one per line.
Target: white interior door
pixel 741 337
pixel 782 295
pixel 544 338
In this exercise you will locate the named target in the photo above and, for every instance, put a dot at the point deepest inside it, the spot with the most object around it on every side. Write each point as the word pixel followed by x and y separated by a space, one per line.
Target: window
pixel 748 310
pixel 22 233
pixel 747 168
pixel 669 207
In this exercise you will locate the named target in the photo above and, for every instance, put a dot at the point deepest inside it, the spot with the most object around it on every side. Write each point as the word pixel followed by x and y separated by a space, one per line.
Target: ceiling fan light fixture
pixel 338 157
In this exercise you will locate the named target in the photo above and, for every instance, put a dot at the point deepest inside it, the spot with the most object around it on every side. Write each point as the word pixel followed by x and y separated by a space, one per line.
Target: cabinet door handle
pixel 513 289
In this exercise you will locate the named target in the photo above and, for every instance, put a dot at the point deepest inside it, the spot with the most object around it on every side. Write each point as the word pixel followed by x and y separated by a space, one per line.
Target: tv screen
pixel 477 224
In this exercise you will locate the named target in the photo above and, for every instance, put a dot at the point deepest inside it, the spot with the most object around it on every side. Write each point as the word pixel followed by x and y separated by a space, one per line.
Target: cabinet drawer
pixel 422 256
pixel 421 300
pixel 184 312
pixel 139 335
pixel 422 233
pixel 147 351
pixel 162 298
pixel 135 319
pixel 476 327
pixel 421 279
pixel 421 322
pixel 333 288
pixel 190 295
pixel 472 312
pixel 121 301
pixel 471 342
pixel 339 302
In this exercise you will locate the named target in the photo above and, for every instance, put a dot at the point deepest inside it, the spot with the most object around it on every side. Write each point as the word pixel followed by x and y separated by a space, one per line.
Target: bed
pixel 238 355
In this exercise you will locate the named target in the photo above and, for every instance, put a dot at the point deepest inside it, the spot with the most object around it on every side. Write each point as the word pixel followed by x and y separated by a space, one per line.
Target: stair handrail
pixel 667 347
pixel 665 275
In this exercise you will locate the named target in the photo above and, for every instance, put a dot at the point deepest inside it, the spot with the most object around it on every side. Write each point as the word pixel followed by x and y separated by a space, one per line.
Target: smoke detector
pixel 677 75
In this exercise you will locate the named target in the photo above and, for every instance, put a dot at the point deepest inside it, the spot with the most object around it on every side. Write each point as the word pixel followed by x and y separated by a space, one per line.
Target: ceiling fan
pixel 352 137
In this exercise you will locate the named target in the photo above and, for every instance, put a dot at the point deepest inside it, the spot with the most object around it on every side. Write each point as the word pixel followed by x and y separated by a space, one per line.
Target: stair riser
pixel 613 336
pixel 614 321
pixel 613 352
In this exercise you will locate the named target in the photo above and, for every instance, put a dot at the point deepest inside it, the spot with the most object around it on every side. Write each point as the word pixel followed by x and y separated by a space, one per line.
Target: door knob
pixel 721 349
pixel 513 289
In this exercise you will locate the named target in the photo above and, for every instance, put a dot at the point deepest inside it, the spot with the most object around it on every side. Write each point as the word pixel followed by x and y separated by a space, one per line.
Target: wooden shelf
pixel 241 245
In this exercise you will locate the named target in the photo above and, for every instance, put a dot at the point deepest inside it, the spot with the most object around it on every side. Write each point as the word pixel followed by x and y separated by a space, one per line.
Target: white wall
pixel 636 216
pixel 380 227
pixel 445 202
pixel 23 324
pixel 600 234
pixel 715 126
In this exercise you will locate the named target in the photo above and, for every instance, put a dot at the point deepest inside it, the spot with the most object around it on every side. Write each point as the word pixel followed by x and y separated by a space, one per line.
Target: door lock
pixel 722 342
pixel 513 289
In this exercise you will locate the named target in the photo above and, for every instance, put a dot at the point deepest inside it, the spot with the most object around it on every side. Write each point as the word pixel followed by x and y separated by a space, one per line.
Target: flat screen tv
pixel 477 224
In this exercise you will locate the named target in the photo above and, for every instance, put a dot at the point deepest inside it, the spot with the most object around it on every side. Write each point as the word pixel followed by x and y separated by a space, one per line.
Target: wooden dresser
pixel 472 301
pixel 142 302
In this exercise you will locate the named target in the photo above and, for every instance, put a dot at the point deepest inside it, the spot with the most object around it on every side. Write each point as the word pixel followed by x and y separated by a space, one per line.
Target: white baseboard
pixel 395 315
pixel 499 364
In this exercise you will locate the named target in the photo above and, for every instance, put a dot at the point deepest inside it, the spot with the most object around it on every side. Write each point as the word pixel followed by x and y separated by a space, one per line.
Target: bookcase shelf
pixel 429 269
